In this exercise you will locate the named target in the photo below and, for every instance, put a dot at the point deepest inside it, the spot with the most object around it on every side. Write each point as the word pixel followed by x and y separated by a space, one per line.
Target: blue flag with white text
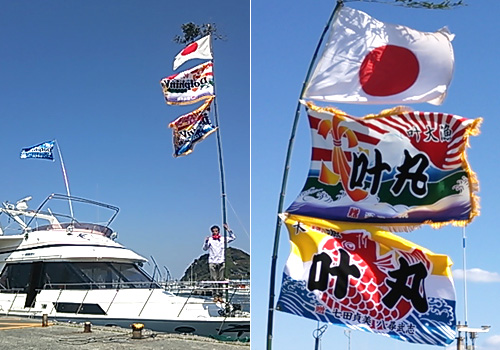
pixel 41 151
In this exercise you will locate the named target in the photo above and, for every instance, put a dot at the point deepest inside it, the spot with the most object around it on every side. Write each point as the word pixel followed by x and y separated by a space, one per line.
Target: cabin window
pixel 115 275
pixel 78 275
pixel 15 277
pixel 131 273
pixel 63 275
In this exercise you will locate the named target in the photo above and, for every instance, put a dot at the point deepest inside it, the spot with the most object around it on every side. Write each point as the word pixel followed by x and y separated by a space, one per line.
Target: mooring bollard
pixel 45 320
pixel 86 327
pixel 137 330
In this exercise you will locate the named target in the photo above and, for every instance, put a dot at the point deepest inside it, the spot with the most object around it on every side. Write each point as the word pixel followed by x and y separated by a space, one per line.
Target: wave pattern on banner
pixel 397 168
pixel 369 280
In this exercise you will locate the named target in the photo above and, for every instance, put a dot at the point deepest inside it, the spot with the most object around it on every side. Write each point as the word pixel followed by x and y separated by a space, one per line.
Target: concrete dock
pixel 28 334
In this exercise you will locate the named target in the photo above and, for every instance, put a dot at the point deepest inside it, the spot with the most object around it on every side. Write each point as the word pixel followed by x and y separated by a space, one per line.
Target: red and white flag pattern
pixel 366 61
pixel 199 49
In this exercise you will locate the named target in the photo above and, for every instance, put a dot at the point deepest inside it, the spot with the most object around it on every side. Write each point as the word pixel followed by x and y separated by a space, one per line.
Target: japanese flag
pixel 370 62
pixel 199 49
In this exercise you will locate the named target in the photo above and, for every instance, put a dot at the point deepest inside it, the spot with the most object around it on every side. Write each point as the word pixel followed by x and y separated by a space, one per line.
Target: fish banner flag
pixel 191 128
pixel 370 62
pixel 201 49
pixel 189 86
pixel 43 150
pixel 367 279
pixel 398 169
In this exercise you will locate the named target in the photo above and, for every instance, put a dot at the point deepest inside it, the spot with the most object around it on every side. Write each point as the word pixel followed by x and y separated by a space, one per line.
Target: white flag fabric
pixel 189 86
pixel 201 49
pixel 366 61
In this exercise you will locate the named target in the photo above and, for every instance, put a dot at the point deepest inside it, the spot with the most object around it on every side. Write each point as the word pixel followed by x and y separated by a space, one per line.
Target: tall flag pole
pixel 274 258
pixel 66 182
pixel 190 86
pixel 221 171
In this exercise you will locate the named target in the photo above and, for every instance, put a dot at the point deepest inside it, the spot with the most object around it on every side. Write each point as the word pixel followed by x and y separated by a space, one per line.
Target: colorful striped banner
pixel 398 168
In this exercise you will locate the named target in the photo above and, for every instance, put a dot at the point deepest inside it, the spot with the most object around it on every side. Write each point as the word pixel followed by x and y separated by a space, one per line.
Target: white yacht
pixel 76 271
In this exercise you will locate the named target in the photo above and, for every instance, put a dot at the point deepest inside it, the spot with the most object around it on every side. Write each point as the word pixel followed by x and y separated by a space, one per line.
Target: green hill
pixel 237 261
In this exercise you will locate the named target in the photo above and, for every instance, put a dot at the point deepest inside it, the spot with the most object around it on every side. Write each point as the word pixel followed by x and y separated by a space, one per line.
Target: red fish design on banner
pixel 367 279
pixel 189 86
pixel 396 168
pixel 191 128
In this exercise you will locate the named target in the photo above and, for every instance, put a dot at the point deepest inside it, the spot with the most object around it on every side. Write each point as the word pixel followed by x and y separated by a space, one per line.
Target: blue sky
pixel 87 73
pixel 284 36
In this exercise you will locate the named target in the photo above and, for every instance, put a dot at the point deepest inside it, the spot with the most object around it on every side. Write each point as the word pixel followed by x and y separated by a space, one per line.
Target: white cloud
pixel 492 343
pixel 477 275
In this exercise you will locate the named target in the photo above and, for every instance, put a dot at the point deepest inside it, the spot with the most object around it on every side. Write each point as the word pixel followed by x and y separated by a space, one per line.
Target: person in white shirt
pixel 216 255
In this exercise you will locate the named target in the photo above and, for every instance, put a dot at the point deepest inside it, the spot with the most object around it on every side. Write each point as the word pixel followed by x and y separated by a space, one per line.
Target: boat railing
pixel 73 199
pixel 237 291
pixel 29 219
pixel 241 286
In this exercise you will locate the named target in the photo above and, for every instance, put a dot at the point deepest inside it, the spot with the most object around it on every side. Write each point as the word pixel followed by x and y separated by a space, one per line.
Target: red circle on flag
pixel 189 49
pixel 388 70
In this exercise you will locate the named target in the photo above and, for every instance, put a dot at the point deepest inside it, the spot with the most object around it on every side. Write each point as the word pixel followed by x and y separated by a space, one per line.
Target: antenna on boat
pixel 470 333
pixel 13 213
pixel 317 334
pixel 169 276
pixel 347 333
pixel 22 204
pixel 156 268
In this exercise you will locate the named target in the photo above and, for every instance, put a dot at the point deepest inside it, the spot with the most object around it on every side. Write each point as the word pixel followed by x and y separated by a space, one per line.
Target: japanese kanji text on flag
pixel 399 168
pixel 369 280
pixel 368 61
pixel 191 128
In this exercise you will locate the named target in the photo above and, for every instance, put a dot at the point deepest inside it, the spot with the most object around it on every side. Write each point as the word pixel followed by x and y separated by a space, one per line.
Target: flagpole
pixel 465 276
pixel 221 171
pixel 65 177
pixel 285 178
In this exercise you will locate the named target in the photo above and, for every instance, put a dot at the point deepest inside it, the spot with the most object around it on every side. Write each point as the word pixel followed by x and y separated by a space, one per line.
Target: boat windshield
pixel 73 275
pixel 93 228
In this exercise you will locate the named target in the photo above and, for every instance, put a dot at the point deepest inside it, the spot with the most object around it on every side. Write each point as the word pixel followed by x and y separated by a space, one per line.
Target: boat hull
pixel 158 310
